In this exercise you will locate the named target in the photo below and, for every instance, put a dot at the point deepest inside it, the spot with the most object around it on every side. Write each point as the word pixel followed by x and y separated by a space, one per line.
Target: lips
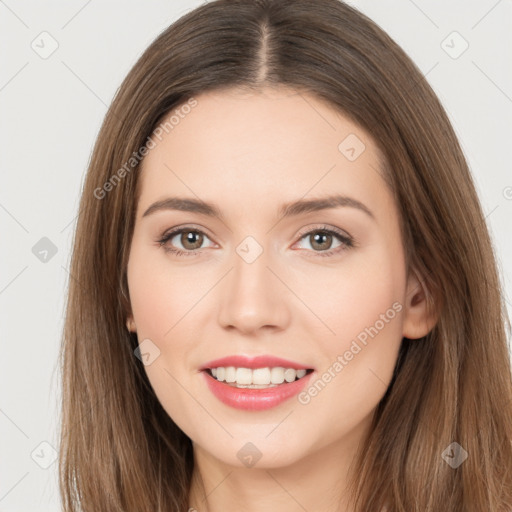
pixel 262 361
pixel 254 399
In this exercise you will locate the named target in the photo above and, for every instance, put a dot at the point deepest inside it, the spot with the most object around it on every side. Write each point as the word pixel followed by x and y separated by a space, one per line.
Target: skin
pixel 249 153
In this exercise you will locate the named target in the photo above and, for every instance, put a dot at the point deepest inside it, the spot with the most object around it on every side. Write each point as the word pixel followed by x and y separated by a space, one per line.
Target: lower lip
pixel 254 399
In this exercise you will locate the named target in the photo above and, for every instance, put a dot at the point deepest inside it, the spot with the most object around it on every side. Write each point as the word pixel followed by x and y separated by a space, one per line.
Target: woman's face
pixel 323 288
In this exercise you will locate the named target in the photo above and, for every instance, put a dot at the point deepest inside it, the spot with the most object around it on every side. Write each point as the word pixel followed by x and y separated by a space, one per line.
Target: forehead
pixel 257 148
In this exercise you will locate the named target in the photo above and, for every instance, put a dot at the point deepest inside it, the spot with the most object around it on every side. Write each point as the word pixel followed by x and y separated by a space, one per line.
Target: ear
pixel 419 317
pixel 130 324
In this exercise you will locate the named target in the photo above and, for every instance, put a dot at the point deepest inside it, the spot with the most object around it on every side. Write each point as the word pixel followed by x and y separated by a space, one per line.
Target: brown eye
pixel 321 241
pixel 190 240
pixel 194 238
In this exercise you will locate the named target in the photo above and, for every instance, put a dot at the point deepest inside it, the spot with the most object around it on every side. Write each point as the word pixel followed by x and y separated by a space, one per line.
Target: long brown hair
pixel 119 449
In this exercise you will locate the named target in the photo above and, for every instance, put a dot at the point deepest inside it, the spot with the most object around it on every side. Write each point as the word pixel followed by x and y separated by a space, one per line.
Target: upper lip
pixel 262 361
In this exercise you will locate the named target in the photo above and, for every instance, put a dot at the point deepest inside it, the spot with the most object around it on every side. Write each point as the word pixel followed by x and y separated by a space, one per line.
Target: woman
pixel 284 295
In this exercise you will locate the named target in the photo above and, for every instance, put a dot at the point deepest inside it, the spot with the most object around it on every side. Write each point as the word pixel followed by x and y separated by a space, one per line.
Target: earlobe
pixel 419 318
pixel 130 324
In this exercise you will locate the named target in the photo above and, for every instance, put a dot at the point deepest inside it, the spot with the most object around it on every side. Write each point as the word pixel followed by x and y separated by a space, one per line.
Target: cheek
pixel 363 298
pixel 363 306
pixel 160 298
pixel 161 294
pixel 349 298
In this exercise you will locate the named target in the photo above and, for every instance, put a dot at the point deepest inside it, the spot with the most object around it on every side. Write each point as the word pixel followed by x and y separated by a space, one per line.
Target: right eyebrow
pixel 185 205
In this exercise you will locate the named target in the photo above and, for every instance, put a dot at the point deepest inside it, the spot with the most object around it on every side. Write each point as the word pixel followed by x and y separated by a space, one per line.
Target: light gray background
pixel 51 111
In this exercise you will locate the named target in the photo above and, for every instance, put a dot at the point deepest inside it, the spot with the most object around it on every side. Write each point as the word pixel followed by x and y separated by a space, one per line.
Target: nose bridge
pixel 251 297
pixel 251 261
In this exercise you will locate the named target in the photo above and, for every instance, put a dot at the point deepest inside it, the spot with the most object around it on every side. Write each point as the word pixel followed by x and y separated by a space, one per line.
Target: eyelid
pixel 176 230
pixel 187 227
pixel 324 227
pixel 346 240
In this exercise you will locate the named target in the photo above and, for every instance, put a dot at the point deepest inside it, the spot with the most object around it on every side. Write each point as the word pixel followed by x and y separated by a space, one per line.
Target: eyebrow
pixel 286 210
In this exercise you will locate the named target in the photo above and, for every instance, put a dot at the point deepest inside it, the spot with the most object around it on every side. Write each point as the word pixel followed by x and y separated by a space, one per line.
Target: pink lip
pixel 254 399
pixel 253 362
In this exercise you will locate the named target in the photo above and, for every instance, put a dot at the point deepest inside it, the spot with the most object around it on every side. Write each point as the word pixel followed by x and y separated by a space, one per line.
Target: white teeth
pixel 243 376
pixel 277 375
pixel 259 377
pixel 290 374
pixel 230 375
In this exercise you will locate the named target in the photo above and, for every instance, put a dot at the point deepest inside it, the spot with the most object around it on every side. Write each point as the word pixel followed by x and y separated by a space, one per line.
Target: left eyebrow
pixel 291 209
pixel 324 203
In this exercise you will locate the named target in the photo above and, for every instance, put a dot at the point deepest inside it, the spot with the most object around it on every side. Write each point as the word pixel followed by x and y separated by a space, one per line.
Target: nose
pixel 253 297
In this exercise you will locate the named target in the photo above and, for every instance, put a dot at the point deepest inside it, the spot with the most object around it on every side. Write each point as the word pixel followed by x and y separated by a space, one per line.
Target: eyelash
pixel 347 241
